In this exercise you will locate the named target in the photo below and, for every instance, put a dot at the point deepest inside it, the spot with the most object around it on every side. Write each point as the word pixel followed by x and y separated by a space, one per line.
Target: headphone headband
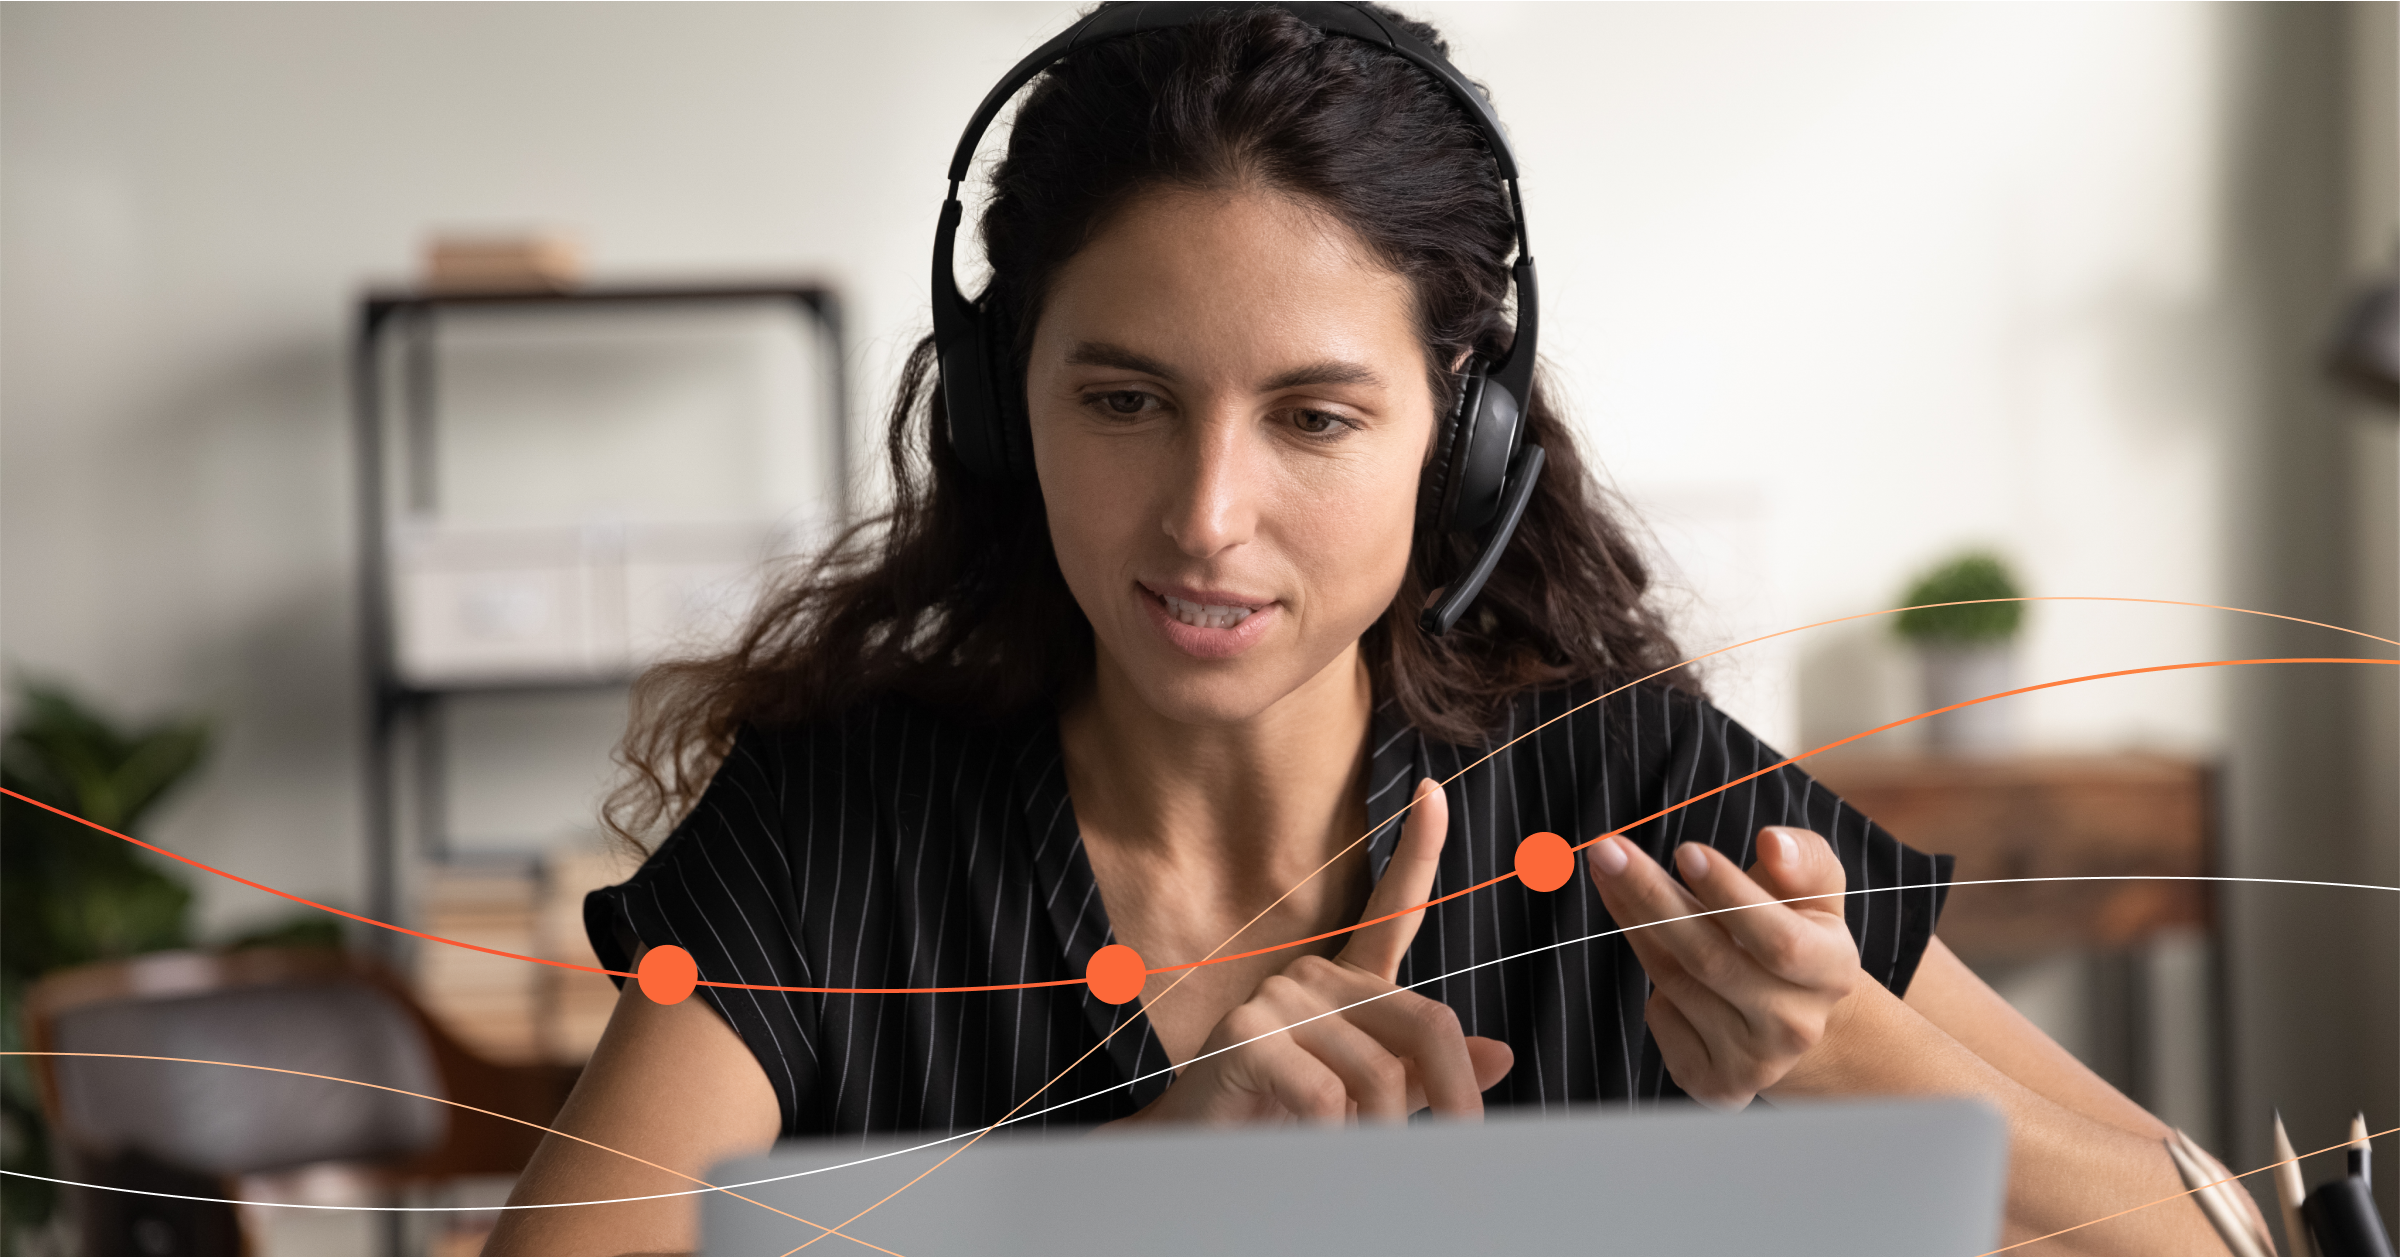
pixel 1117 19
pixel 1113 20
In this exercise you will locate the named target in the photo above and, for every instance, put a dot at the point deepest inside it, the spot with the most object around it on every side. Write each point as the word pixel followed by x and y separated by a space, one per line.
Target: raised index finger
pixel 1407 881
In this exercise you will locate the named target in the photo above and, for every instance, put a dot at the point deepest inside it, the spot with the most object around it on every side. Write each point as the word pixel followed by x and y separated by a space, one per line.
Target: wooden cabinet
pixel 2106 816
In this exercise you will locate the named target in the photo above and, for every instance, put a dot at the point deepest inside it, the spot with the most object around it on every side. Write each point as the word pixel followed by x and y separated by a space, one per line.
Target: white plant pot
pixel 1955 674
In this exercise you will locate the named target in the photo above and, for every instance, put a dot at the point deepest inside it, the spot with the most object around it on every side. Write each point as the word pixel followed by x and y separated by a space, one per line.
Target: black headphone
pixel 1482 473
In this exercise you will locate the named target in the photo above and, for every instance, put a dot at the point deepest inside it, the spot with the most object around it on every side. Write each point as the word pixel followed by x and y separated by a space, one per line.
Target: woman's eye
pixel 1124 402
pixel 1318 423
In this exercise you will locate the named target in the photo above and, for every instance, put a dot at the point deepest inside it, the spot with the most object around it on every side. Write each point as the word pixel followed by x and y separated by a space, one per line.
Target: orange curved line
pixel 1329 863
pixel 1843 619
pixel 1212 958
pixel 285 894
pixel 552 1130
pixel 495 951
pixel 2180 1195
pixel 2096 676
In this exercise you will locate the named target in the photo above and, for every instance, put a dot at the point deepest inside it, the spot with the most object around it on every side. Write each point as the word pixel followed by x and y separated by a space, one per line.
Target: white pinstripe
pixel 1665 747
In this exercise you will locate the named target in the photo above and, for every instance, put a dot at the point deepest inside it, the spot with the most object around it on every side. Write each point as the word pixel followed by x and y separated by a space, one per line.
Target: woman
pixel 1154 696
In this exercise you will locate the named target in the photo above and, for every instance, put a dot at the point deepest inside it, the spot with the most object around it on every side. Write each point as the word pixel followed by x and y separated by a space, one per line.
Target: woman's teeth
pixel 1199 616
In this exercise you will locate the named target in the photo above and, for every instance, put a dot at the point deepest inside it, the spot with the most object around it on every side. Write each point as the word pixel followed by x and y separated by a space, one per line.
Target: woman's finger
pixel 1799 867
pixel 1794 942
pixel 1647 904
pixel 1300 1081
pixel 1703 1007
pixel 1493 1059
pixel 1744 982
pixel 1424 1034
pixel 1406 881
pixel 1688 1055
pixel 1375 1077
pixel 1376 1083
pixel 1716 979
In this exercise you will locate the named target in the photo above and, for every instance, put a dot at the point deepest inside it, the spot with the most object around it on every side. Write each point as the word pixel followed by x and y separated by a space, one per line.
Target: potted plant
pixel 69 895
pixel 1965 646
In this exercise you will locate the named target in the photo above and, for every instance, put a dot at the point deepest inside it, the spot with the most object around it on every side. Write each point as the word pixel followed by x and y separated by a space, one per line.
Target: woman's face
pixel 1229 412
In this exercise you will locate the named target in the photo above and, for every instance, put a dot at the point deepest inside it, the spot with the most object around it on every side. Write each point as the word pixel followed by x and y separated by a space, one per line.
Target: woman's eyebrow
pixel 1100 353
pixel 1326 373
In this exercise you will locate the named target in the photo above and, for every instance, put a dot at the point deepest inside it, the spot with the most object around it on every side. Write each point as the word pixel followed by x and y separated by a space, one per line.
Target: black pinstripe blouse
pixel 901 847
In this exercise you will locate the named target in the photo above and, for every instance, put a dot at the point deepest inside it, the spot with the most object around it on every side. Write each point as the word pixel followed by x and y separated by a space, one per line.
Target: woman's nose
pixel 1214 500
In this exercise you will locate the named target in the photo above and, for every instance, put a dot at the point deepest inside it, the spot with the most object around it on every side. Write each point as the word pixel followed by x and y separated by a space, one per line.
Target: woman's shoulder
pixel 889 769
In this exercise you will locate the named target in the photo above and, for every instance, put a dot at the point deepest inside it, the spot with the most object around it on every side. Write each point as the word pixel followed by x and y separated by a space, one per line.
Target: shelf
pixel 398 356
pixel 381 303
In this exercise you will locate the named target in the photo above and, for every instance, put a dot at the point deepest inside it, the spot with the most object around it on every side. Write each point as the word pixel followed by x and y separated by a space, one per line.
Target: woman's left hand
pixel 1741 997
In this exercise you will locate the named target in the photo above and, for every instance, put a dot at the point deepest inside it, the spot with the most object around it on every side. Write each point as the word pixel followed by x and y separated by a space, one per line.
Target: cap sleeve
pixel 1895 891
pixel 721 888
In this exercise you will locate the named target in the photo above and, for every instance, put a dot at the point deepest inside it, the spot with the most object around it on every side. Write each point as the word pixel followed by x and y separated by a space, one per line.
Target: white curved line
pixel 935 1143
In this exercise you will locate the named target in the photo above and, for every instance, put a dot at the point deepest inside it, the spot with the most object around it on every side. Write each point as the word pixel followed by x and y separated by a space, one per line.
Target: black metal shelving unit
pixel 402 325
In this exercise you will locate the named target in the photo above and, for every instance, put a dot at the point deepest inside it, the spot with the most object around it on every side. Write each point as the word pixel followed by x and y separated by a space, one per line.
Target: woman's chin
pixel 1225 692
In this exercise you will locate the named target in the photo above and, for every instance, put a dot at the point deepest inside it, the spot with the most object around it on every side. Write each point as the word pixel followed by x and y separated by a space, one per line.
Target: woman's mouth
pixel 1201 615
pixel 1206 624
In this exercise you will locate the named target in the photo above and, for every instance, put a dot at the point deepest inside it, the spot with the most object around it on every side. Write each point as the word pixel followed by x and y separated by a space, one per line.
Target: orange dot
pixel 1543 861
pixel 1115 974
pixel 667 974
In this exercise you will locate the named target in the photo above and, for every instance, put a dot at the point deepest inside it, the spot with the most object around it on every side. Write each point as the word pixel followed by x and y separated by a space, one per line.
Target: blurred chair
pixel 196 1130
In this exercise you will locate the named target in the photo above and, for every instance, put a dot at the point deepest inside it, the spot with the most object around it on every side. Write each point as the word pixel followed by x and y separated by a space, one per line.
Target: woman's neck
pixel 1247 809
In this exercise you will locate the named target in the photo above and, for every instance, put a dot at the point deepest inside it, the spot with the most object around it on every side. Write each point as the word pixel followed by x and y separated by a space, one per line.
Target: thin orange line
pixel 494 951
pixel 302 1073
pixel 1104 1039
pixel 2180 1195
pixel 1212 957
pixel 2097 676
pixel 1037 1094
pixel 285 894
pixel 2165 602
pixel 1362 838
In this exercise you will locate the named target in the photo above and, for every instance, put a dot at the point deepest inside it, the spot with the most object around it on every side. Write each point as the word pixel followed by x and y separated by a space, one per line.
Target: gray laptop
pixel 1913 1178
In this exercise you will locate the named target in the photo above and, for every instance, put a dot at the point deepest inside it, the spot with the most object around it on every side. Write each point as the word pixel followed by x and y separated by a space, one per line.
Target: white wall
pixel 1836 288
pixel 1906 277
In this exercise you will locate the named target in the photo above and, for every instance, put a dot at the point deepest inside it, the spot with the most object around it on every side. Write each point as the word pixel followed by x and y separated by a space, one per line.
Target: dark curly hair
pixel 953 596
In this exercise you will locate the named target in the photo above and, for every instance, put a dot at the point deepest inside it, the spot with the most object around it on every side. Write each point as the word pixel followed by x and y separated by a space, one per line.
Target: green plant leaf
pixel 1977 574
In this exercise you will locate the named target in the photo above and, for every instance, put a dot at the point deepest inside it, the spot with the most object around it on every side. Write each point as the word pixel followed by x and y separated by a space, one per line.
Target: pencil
pixel 2290 1190
pixel 2235 1196
pixel 2360 1151
pixel 2201 1173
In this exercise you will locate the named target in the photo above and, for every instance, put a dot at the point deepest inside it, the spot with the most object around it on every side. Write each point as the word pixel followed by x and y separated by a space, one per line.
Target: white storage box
pixel 498 605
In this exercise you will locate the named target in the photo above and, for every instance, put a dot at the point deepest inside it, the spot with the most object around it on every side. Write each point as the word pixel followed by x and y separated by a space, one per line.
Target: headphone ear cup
pixel 984 403
pixel 967 397
pixel 1438 494
pixel 1480 468
pixel 1012 435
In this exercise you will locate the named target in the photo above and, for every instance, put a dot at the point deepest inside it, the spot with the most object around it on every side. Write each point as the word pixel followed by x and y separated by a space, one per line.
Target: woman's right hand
pixel 1379 1061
